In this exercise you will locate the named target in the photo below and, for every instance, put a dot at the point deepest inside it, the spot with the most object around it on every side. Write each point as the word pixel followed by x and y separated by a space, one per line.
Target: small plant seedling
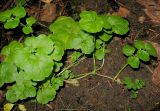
pixel 139 51
pixel 11 19
pixel 133 86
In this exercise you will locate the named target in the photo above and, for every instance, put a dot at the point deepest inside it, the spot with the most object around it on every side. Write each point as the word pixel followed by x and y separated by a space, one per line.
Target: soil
pixel 97 93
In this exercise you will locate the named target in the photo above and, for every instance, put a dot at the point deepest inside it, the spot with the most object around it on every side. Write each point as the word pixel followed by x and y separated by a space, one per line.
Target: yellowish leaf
pixel 8 106
pixel 22 107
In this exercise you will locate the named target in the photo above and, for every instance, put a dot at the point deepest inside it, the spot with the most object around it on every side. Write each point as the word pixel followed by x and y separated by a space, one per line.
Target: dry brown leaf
pixel 152 9
pixel 156 76
pixel 123 12
pixel 48 13
pixel 141 19
pixel 157 47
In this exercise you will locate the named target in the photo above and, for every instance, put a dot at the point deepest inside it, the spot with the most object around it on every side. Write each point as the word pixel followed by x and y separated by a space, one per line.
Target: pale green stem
pixel 120 71
pixel 68 67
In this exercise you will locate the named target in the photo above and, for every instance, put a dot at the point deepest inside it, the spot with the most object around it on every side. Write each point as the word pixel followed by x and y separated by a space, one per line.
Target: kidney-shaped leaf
pixel 41 44
pixel 128 50
pixel 21 91
pixel 8 73
pixel 91 22
pixel 150 49
pixel 133 61
pixel 143 55
pixel 119 25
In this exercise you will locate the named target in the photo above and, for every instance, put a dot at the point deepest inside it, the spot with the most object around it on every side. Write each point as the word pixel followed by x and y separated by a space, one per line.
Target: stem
pixel 120 71
pixel 68 67
pixel 94 64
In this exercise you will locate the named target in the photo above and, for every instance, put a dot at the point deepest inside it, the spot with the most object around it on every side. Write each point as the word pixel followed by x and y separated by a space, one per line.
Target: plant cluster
pixel 35 68
pixel 133 86
pixel 11 19
pixel 140 50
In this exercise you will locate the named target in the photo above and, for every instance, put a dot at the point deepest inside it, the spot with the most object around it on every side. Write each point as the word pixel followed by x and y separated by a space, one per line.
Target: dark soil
pixel 97 93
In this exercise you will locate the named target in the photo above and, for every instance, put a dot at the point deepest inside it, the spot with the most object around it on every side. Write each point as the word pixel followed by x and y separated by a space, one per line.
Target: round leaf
pixel 128 50
pixel 100 53
pixel 11 23
pixel 27 30
pixel 119 25
pixel 143 55
pixel 150 49
pixel 19 12
pixel 105 37
pixel 30 21
pixel 133 61
pixel 5 15
pixel 91 22
pixel 139 44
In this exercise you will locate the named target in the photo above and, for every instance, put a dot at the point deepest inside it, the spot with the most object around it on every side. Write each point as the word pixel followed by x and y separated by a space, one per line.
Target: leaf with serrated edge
pixel 19 12
pixel 21 91
pixel 133 61
pixel 30 21
pixel 139 44
pixel 128 50
pixel 143 55
pixel 8 73
pixel 150 49
pixel 119 25
pixel 91 22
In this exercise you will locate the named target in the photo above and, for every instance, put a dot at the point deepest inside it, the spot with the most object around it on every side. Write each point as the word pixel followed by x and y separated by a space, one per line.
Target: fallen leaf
pixel 157 47
pixel 156 76
pixel 123 12
pixel 48 13
pixel 22 107
pixel 152 9
pixel 8 106
pixel 141 19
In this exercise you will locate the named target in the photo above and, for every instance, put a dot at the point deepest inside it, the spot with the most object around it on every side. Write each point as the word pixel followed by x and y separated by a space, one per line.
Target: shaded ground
pixel 97 93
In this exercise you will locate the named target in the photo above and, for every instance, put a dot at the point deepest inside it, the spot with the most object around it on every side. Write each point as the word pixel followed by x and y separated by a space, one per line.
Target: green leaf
pixel 75 56
pixel 12 23
pixel 128 50
pixel 37 66
pixel 87 44
pixel 134 94
pixel 100 53
pixel 19 12
pixel 119 25
pixel 5 15
pixel 58 53
pixel 57 82
pixel 8 73
pixel 45 94
pixel 30 21
pixel 150 49
pixel 91 22
pixel 143 55
pixel 139 44
pixel 105 37
pixel 106 24
pixel 64 24
pixel 10 50
pixel 139 84
pixel 21 91
pixel 66 74
pixel 27 30
pixel 128 82
pixel 99 43
pixel 57 66
pixel 41 44
pixel 133 61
